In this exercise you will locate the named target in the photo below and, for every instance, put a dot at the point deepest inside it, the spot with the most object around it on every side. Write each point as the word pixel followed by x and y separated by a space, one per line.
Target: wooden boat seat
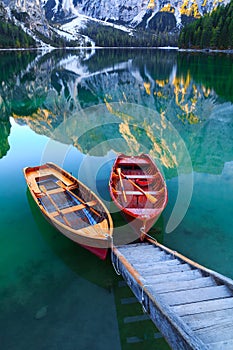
pixel 70 187
pixel 39 175
pixel 55 190
pixel 136 193
pixel 143 211
pixel 132 161
pixel 73 208
pixel 141 176
pixel 43 173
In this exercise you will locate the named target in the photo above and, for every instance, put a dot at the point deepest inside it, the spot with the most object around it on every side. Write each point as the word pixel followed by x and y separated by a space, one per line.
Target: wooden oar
pixel 151 198
pixel 121 182
pixel 43 189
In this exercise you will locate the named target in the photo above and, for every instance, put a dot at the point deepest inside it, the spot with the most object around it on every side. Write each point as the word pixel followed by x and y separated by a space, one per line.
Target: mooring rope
pixel 116 268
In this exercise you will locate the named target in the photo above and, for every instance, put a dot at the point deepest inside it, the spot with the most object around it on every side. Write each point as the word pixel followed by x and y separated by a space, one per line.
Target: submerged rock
pixel 41 313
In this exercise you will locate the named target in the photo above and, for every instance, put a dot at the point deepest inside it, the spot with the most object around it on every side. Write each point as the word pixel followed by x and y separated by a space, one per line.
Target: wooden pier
pixel 191 306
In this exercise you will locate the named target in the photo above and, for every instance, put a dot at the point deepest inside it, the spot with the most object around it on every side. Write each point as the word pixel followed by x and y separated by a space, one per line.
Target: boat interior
pixel 138 175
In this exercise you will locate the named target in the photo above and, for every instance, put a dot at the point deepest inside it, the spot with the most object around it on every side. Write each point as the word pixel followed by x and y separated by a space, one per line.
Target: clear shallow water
pixel 53 293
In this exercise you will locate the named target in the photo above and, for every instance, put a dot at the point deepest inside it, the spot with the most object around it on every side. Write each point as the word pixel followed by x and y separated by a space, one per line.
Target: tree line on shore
pixel 106 36
pixel 12 36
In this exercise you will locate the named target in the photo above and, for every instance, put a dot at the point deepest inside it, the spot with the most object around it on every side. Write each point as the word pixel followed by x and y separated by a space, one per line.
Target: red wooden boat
pixel 138 189
pixel 71 207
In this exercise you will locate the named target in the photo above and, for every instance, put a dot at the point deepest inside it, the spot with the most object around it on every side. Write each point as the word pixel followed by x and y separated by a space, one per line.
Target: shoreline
pixel 50 48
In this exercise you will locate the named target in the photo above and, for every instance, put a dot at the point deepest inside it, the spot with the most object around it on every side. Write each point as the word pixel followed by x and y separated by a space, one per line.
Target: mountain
pixel 29 16
pixel 61 23
pixel 131 13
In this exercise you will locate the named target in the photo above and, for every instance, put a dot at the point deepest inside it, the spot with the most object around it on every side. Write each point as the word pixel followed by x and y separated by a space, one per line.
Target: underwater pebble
pixel 41 313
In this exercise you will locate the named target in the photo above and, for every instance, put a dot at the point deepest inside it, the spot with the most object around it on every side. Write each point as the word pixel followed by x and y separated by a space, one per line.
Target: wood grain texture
pixel 192 306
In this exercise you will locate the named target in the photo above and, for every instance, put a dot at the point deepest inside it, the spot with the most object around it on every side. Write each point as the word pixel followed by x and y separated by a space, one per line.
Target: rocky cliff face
pixel 132 12
pixel 31 17
pixel 36 14
pixel 27 14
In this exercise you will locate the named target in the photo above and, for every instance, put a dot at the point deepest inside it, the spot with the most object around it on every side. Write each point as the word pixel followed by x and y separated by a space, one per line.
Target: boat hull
pixel 90 245
pixel 139 191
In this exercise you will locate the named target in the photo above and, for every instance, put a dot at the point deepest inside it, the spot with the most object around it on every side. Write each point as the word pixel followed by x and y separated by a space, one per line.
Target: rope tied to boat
pixel 151 237
pixel 115 266
pixel 143 232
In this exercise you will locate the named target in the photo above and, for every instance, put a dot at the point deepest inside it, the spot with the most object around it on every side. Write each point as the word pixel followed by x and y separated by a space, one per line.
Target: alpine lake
pixel 79 108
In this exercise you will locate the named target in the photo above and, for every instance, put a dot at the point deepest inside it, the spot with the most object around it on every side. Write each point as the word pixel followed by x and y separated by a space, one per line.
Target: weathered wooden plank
pixel 183 285
pixel 136 248
pixel 141 266
pixel 209 319
pixel 215 333
pixel 217 276
pixel 139 257
pixel 140 246
pixel 142 252
pixel 203 306
pixel 194 295
pixel 222 345
pixel 163 269
pixel 175 276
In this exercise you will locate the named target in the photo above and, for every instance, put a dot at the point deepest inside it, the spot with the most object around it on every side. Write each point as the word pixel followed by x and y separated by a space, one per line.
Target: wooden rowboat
pixel 71 207
pixel 138 189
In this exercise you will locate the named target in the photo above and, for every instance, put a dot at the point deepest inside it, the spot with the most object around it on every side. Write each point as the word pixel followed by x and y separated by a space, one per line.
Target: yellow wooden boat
pixel 71 207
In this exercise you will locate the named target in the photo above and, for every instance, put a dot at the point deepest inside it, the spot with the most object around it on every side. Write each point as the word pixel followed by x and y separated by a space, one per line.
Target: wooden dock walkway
pixel 191 305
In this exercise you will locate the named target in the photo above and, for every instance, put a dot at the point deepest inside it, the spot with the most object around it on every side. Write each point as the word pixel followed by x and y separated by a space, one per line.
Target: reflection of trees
pixel 11 66
pixel 12 63
pixel 4 133
pixel 210 71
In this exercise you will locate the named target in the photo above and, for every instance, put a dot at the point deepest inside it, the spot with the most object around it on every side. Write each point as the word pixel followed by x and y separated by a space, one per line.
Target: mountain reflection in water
pixel 57 88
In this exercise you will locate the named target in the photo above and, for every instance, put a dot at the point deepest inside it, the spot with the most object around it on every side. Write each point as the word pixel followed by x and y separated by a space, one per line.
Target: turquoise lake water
pixel 78 109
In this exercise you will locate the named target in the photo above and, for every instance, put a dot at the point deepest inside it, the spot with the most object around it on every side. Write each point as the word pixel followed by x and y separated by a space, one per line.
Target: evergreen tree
pixel 12 36
pixel 213 31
